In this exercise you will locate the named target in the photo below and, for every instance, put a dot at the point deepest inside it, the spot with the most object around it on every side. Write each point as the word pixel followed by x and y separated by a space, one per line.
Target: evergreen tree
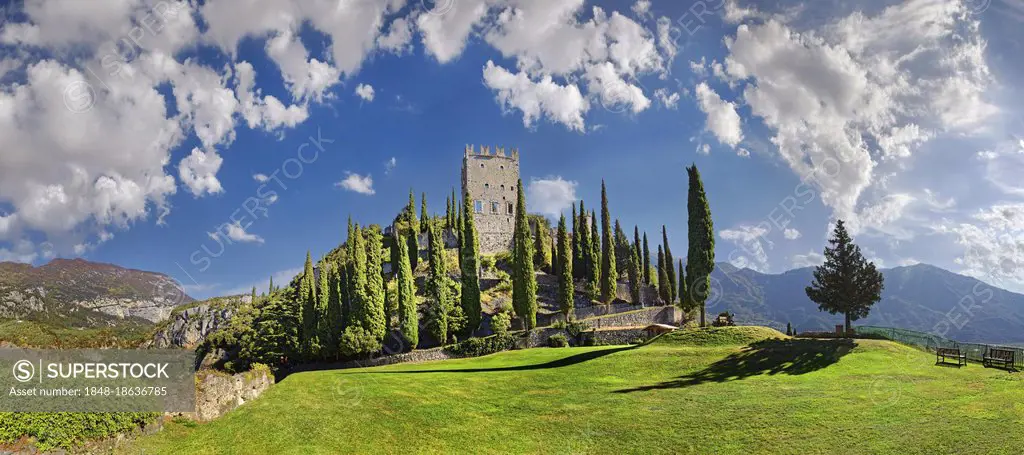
pixel 623 255
pixel 252 300
pixel 408 317
pixel 359 301
pixel 271 291
pixel 437 287
pixel 470 254
pixel 307 314
pixel 424 216
pixel 448 213
pixel 594 263
pixel 609 275
pixel 554 255
pixel 663 278
pixel 845 283
pixel 670 263
pixel 638 248
pixel 524 282
pixel 647 262
pixel 700 257
pixel 335 316
pixel 566 289
pixel 578 269
pixel 635 285
pixel 414 227
pixel 323 322
pixel 375 319
pixel 685 302
pixel 541 250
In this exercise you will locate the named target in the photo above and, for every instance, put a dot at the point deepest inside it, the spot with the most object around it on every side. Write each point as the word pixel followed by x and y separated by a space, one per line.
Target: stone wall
pixel 620 336
pixel 640 318
pixel 217 393
pixel 491 179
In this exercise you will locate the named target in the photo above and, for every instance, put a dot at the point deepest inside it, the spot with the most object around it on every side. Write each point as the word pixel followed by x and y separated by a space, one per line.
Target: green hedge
pixel 66 429
pixel 475 347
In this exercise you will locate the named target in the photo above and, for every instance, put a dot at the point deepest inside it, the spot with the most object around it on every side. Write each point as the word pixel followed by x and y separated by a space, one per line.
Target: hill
pixel 80 293
pixel 919 297
pixel 776 395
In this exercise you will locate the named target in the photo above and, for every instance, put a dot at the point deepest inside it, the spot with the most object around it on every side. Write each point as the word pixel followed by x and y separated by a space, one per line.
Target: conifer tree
pixel 670 263
pixel 252 300
pixel 685 302
pixel 307 297
pixel 554 255
pixel 845 283
pixel 335 316
pixel 594 263
pixel 408 316
pixel 448 213
pixel 271 290
pixel 609 275
pixel 577 251
pixel 470 255
pixel 524 282
pixel 414 227
pixel 623 255
pixel 376 321
pixel 635 284
pixel 541 250
pixel 700 257
pixel 323 322
pixel 437 287
pixel 359 302
pixel 566 289
pixel 647 262
pixel 638 247
pixel 663 279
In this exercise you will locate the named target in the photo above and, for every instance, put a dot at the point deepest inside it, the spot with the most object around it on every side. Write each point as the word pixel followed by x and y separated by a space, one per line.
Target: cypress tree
pixel 470 255
pixel 437 287
pixel 663 279
pixel 647 261
pixel 408 317
pixel 609 275
pixel 564 269
pixel 335 321
pixel 594 263
pixel 323 316
pixel 700 257
pixel 424 217
pixel 554 255
pixel 635 284
pixel 376 322
pixel 670 263
pixel 252 299
pixel 414 227
pixel 307 314
pixel 623 255
pixel 541 250
pixel 524 283
pixel 638 247
pixel 577 251
pixel 271 291
pixel 684 295
pixel 359 301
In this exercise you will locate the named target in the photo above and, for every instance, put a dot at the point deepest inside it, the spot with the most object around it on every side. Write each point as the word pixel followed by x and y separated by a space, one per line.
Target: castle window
pixel 502 187
pixel 510 208
pixel 481 164
pixel 494 207
pixel 487 185
pixel 502 166
pixel 478 206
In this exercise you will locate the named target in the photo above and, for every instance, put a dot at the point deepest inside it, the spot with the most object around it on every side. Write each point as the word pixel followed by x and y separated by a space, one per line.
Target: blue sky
pixel 897 117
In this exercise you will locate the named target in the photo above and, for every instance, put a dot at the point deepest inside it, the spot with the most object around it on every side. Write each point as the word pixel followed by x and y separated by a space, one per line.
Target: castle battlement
pixel 499 152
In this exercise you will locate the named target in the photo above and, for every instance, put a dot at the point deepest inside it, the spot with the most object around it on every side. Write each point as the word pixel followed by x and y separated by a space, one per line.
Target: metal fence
pixel 930 342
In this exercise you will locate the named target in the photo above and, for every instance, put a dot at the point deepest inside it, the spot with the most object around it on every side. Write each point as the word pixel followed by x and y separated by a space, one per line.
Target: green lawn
pixel 696 392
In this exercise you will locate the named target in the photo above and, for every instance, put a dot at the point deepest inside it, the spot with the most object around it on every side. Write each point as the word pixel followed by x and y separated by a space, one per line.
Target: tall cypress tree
pixel 335 321
pixel 437 286
pixel 684 295
pixel 414 227
pixel 524 282
pixel 585 241
pixel 271 290
pixel 541 245
pixel 663 278
pixel 594 272
pixel 635 284
pixel 377 323
pixel 307 313
pixel 565 284
pixel 424 216
pixel 609 275
pixel 647 262
pixel 670 263
pixel 577 251
pixel 323 316
pixel 700 257
pixel 638 246
pixel 359 302
pixel 623 255
pixel 470 254
pixel 448 213
pixel 408 317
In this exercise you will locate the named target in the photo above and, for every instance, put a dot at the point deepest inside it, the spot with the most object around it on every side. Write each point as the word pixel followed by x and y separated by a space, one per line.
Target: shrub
pixel 576 328
pixel 558 341
pixel 501 322
pixel 358 341
pixel 475 347
pixel 67 429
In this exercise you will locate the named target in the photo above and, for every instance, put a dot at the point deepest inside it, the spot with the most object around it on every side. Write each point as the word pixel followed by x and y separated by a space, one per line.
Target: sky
pixel 218 142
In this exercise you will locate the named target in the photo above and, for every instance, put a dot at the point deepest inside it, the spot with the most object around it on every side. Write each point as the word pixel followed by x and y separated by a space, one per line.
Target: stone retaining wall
pixel 642 318
pixel 217 393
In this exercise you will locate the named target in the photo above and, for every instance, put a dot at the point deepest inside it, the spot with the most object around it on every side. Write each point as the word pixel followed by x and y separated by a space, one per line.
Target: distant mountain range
pixel 80 293
pixel 919 297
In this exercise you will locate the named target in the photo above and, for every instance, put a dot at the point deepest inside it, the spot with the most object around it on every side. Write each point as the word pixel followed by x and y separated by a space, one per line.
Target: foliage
pixel 635 284
pixel 438 287
pixel 575 329
pixel 476 347
pixel 558 340
pixel 307 310
pixel 700 255
pixel 469 264
pixel 609 275
pixel 408 316
pixel 501 321
pixel 647 263
pixel 623 251
pixel 375 321
pixel 566 287
pixel 670 269
pixel 846 282
pixel 663 278
pixel 524 282
pixel 541 242
pixel 594 272
pixel 66 430
pixel 578 261
pixel 358 341
pixel 39 334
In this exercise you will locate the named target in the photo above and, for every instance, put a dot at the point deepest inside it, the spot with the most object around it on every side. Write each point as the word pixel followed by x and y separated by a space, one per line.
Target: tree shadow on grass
pixel 794 357
pixel 563 362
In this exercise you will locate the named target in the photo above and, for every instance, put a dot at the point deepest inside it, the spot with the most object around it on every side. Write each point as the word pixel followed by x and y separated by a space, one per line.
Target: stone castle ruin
pixel 490 179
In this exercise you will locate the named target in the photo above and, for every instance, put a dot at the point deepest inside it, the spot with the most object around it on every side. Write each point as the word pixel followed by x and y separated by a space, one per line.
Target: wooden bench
pixel 999 357
pixel 944 355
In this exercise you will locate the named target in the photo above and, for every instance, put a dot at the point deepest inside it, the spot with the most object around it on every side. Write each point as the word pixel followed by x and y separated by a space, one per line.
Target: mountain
pixel 80 293
pixel 919 297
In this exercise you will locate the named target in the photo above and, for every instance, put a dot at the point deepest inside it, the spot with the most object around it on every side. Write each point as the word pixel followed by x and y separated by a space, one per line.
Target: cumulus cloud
pixel 365 91
pixel 198 172
pixel 551 196
pixel 362 184
pixel 722 119
pixel 791 234
pixel 669 100
pixel 749 242
pixel 811 259
pixel 561 103
pixel 234 232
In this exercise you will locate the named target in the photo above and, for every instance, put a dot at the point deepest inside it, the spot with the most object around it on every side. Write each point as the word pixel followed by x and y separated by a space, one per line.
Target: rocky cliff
pixel 187 328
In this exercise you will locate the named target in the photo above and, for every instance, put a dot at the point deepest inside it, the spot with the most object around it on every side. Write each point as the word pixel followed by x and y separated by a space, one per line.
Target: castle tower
pixel 490 178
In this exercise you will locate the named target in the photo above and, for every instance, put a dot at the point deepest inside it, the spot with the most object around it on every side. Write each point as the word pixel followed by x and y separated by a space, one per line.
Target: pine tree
pixel 437 287
pixel 845 283
pixel 524 282
pixel 700 257
pixel 594 263
pixel 671 264
pixel 376 321
pixel 609 275
pixel 664 291
pixel 566 289
pixel 408 316
pixel 470 255
pixel 647 262
pixel 577 251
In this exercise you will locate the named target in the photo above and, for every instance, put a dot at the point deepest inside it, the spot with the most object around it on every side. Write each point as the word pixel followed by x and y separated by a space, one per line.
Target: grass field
pixel 692 392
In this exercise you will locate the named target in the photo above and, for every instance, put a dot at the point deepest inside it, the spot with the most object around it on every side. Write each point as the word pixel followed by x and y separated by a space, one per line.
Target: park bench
pixel 999 357
pixel 944 355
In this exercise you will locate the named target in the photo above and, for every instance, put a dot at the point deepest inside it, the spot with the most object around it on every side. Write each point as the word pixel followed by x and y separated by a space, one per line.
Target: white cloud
pixel 365 91
pixel 198 172
pixel 551 196
pixel 993 245
pixel 749 251
pixel 307 78
pixel 791 234
pixel 669 100
pixel 390 165
pixel 267 112
pixel 722 120
pixel 743 152
pixel 398 40
pixel 445 33
pixel 234 232
pixel 811 259
pixel 642 8
pixel 261 178
pixel 357 183
pixel 562 104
